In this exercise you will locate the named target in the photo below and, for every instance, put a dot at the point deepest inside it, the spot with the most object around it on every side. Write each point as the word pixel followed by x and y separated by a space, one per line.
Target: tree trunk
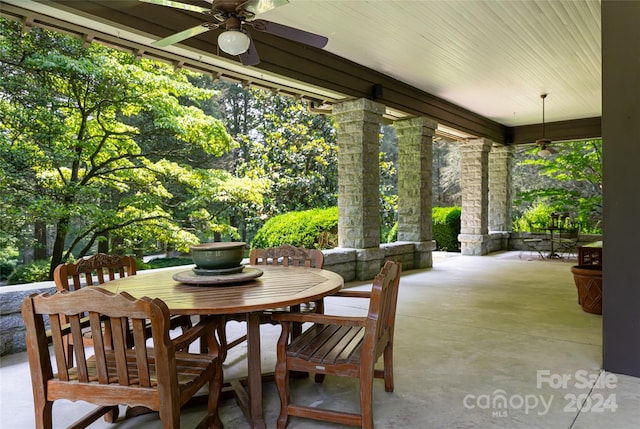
pixel 117 244
pixel 58 244
pixel 40 235
pixel 103 243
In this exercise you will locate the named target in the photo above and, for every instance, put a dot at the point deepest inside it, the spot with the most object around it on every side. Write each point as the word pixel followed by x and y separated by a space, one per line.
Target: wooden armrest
pixel 351 294
pixel 203 327
pixel 322 319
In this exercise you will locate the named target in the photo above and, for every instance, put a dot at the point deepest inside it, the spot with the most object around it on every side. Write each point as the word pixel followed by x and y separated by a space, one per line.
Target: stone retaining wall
pixel 346 262
pixel 352 264
pixel 11 325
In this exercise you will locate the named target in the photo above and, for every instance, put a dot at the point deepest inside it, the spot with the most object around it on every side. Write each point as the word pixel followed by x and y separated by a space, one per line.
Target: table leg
pixel 254 371
pixel 552 253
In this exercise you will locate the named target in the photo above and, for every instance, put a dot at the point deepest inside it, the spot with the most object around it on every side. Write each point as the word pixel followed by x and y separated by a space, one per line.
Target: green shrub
pixel 393 234
pixel 8 261
pixel 318 229
pixel 446 228
pixel 312 229
pixel 37 271
pixel 163 263
pixel 536 218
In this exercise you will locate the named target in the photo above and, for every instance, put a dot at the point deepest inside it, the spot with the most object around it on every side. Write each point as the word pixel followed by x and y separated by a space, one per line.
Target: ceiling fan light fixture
pixel 543 142
pixel 544 152
pixel 234 42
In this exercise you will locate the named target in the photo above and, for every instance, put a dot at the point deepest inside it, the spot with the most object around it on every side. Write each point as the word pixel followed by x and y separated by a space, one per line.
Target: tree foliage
pixel 446 174
pixel 296 150
pixel 569 181
pixel 279 142
pixel 100 145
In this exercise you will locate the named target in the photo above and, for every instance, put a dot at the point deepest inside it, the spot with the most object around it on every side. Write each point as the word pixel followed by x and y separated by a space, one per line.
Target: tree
pixel 446 174
pixel 98 144
pixel 293 149
pixel 569 181
pixel 388 187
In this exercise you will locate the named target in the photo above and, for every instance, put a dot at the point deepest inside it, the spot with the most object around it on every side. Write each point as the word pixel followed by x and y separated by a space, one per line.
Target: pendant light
pixel 544 143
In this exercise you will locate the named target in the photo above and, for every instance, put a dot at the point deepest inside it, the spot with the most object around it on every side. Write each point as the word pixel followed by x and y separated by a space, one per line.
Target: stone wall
pixel 11 324
pixel 516 240
pixel 351 264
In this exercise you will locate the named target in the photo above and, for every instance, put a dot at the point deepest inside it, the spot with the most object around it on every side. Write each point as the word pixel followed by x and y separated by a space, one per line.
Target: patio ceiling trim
pixel 286 67
pixel 218 68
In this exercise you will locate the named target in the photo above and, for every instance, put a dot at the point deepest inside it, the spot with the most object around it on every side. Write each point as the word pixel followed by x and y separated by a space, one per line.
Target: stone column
pixel 358 123
pixel 500 168
pixel 474 183
pixel 415 160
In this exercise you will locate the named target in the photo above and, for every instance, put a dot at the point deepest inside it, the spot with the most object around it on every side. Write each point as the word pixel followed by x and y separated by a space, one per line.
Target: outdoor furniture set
pixel 562 241
pixel 127 317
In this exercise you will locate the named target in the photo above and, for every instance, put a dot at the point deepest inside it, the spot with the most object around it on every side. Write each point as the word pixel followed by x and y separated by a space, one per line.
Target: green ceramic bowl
pixel 217 256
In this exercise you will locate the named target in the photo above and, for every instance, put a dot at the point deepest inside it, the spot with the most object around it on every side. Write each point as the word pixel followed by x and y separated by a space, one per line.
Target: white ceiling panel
pixel 491 57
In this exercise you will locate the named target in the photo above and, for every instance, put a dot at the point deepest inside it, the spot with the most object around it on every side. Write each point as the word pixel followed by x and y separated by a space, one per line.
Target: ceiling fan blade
pixel 179 37
pixel 257 7
pixel 177 5
pixel 251 57
pixel 290 33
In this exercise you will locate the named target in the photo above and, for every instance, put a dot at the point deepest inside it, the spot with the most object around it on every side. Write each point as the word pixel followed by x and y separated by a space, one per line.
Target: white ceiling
pixel 493 57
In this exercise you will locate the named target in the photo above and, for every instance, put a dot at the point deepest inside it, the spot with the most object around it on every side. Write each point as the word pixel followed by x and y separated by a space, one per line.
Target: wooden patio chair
pixel 343 346
pixel 160 378
pixel 567 243
pixel 285 255
pixel 96 270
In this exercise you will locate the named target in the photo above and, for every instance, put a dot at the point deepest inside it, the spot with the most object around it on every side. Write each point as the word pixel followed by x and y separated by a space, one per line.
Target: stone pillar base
pixel 368 262
pixel 474 244
pixel 423 254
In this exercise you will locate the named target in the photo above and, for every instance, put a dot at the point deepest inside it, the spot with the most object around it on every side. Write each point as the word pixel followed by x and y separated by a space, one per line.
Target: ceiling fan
pixel 544 143
pixel 234 17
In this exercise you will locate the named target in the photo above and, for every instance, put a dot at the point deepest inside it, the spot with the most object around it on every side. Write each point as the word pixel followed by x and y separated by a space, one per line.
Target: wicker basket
pixel 588 279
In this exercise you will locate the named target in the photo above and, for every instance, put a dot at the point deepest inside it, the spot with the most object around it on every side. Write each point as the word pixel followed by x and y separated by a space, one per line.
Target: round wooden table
pixel 279 286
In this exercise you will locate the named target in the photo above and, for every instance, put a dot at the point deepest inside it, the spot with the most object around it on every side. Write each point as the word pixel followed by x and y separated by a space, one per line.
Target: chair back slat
pixel 142 357
pixel 122 371
pixel 95 269
pixel 120 351
pixel 99 348
pixel 287 255
pixel 57 338
pixel 80 356
pixel 103 308
pixel 100 275
pixel 89 271
pixel 382 307
pixel 88 280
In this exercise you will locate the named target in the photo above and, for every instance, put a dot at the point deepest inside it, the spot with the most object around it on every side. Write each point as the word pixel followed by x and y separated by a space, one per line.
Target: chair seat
pixel 189 368
pixel 328 344
pixel 532 245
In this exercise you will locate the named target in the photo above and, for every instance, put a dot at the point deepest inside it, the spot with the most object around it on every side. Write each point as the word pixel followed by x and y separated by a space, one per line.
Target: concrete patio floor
pixel 481 342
